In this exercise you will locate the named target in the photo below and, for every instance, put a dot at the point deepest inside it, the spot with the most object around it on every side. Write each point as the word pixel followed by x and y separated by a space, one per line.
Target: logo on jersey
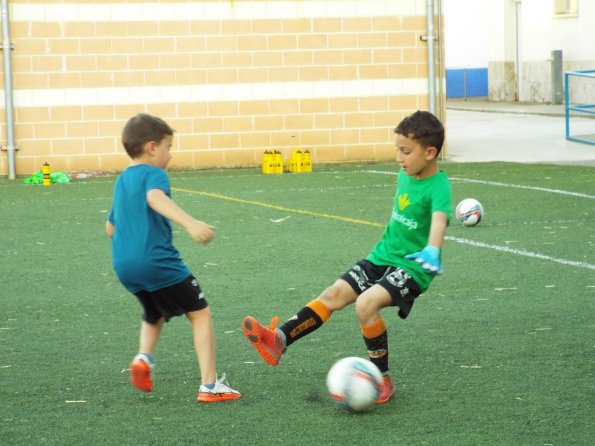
pixel 404 201
pixel 410 223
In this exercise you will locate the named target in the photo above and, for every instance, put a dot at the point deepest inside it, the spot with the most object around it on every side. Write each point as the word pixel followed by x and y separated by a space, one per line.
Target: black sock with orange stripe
pixel 376 339
pixel 308 319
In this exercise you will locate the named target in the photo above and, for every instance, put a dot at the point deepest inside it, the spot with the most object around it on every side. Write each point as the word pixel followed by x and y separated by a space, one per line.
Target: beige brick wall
pixel 242 80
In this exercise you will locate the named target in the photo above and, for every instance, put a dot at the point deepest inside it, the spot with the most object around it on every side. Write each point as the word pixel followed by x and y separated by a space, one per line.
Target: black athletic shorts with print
pixel 402 288
pixel 171 301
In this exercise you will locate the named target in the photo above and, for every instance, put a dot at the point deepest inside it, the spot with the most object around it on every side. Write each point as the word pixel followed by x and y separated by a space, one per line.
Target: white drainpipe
pixel 8 104
pixel 430 38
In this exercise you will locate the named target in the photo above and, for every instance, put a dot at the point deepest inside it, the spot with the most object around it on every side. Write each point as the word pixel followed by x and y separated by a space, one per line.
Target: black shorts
pixel 402 288
pixel 171 301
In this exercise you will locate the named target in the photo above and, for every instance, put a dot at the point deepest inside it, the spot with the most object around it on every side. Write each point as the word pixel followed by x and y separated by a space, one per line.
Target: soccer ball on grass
pixel 469 212
pixel 354 383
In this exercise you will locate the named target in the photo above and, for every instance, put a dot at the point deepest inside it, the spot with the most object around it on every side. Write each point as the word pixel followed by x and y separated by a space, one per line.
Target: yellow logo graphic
pixel 404 201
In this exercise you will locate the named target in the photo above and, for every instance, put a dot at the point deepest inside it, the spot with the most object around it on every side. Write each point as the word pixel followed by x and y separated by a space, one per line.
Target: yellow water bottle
pixel 45 170
pixel 271 163
pixel 278 162
pixel 291 163
pixel 307 161
pixel 299 161
pixel 265 162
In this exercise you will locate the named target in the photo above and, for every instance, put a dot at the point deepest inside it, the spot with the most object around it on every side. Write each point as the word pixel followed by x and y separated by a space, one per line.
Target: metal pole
pixel 431 57
pixel 440 65
pixel 8 104
pixel 441 74
pixel 518 48
pixel 557 77
pixel 566 105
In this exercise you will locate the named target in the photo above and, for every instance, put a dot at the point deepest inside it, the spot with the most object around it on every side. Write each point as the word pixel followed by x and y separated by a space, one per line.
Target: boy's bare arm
pixel 198 230
pixel 437 229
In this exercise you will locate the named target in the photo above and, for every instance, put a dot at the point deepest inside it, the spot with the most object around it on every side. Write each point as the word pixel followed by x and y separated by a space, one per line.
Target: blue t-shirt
pixel 143 254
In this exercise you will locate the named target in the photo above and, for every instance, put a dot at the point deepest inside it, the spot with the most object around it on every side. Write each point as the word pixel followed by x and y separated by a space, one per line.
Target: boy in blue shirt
pixel 400 266
pixel 147 263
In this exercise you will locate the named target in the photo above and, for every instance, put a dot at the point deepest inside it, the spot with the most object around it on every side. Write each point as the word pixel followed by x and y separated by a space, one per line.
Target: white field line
pixel 496 183
pixel 520 186
pixel 520 252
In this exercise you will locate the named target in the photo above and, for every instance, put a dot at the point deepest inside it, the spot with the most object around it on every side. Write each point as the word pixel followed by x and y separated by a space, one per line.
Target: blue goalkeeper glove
pixel 429 258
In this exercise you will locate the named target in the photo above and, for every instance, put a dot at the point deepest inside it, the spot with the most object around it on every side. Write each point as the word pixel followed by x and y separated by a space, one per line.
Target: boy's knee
pixel 337 296
pixel 202 313
pixel 366 309
pixel 362 309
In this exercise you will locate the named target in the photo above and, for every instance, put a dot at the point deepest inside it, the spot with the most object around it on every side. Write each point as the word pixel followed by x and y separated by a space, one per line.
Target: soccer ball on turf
pixel 469 212
pixel 354 383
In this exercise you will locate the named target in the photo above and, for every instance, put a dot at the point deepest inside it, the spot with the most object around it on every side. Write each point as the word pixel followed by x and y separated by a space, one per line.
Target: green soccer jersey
pixel 408 230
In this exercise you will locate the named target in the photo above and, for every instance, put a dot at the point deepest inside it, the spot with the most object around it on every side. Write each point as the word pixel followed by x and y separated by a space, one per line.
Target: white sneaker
pixel 221 392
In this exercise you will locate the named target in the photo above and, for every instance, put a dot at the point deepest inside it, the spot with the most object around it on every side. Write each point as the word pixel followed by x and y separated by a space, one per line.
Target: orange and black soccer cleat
pixel 386 390
pixel 265 340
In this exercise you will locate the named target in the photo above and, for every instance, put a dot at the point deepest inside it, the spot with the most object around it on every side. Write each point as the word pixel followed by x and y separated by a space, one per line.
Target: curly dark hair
pixel 423 127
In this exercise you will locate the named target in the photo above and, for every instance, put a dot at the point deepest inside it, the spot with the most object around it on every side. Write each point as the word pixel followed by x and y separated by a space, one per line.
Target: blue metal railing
pixel 585 108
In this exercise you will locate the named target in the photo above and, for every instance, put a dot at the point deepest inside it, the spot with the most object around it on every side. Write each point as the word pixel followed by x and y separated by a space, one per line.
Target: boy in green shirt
pixel 400 267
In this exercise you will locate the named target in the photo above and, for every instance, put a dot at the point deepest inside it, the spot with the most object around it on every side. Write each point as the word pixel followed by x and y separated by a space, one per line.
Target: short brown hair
pixel 142 128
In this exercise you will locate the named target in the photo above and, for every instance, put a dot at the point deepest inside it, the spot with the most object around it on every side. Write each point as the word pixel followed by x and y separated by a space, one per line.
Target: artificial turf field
pixel 499 351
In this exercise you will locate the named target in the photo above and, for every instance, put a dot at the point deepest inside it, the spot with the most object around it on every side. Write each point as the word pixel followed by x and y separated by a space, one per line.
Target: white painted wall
pixel 483 33
pixel 466 41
